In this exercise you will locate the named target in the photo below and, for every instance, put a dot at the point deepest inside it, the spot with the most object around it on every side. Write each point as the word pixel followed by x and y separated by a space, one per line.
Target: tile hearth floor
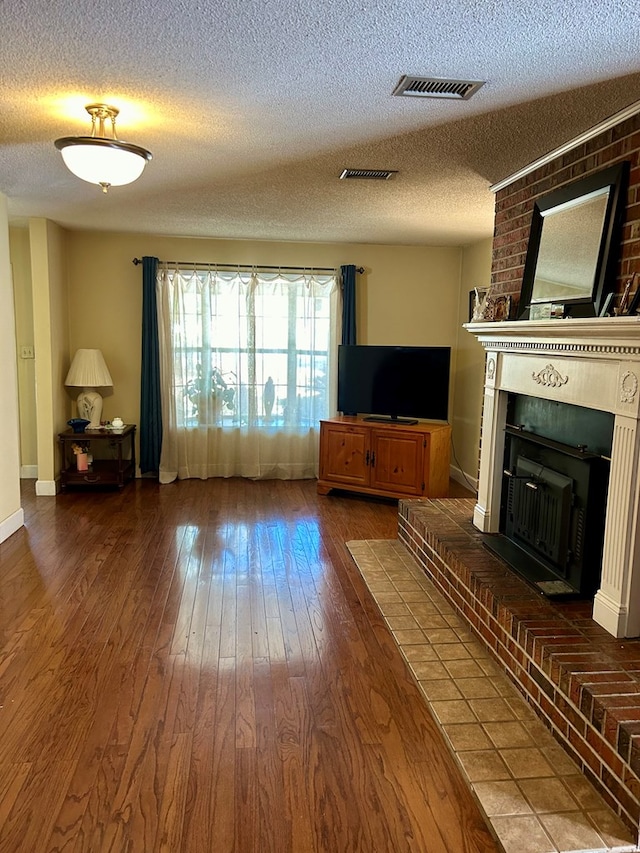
pixel 532 794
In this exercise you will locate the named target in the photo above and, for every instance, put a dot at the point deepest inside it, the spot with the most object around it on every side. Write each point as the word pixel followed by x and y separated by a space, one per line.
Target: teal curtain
pixel 150 410
pixel 348 273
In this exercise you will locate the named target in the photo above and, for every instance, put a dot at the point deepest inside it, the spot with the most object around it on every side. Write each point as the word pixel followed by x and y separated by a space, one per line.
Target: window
pixel 249 352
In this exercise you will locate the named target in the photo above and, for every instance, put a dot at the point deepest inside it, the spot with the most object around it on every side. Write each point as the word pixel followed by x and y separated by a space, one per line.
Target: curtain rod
pixel 137 261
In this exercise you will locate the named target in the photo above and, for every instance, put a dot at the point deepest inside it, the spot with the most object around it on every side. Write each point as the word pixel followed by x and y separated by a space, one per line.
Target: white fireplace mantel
pixel 595 363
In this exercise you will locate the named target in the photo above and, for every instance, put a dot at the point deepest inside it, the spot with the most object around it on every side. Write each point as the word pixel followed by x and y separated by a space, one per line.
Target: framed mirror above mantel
pixel 573 248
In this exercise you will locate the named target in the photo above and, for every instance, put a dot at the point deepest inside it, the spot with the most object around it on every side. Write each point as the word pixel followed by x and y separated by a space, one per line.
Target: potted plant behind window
pixel 210 394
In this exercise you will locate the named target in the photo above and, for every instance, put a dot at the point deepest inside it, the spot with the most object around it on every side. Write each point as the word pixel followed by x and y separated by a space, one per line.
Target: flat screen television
pixel 394 383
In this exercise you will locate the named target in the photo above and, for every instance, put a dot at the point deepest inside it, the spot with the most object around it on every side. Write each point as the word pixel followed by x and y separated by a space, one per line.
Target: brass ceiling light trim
pixel 101 158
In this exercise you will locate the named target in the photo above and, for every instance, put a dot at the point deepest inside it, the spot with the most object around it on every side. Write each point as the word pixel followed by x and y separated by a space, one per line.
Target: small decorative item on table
pixel 78 424
pixel 82 456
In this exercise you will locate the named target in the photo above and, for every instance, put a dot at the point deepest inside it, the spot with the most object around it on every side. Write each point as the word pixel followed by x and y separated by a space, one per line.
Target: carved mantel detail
pixel 550 377
pixel 628 387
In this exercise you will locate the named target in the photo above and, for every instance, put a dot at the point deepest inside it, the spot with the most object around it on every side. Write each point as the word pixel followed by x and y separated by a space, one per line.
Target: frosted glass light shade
pixel 103 161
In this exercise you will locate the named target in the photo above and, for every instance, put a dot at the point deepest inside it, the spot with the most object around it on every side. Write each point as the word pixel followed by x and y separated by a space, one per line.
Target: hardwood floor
pixel 200 667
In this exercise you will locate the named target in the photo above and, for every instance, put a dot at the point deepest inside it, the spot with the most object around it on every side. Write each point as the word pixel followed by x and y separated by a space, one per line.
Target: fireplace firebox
pixel 552 513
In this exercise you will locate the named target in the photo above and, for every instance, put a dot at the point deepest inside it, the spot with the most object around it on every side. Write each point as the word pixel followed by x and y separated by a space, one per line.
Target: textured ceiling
pixel 253 109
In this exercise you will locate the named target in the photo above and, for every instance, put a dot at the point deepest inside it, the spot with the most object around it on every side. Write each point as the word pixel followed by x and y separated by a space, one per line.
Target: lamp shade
pixel 88 370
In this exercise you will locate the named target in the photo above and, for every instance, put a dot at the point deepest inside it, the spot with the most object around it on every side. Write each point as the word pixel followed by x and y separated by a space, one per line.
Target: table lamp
pixel 89 370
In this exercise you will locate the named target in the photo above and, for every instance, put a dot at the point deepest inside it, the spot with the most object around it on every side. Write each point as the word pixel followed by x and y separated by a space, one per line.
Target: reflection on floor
pixel 532 794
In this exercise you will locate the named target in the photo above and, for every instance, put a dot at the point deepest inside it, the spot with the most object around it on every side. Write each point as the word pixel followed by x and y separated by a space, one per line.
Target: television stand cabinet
pixel 391 460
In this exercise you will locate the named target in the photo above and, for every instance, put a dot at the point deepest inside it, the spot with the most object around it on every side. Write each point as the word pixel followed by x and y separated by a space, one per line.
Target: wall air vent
pixel 433 87
pixel 368 174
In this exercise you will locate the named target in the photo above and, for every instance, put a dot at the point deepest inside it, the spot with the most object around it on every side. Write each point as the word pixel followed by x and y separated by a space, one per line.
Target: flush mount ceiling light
pixel 101 159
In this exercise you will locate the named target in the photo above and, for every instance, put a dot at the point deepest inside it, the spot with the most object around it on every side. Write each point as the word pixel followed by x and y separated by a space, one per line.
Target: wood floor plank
pixel 172 806
pixel 70 822
pixel 201 667
pixel 196 819
pixel 273 826
pixel 294 725
pixel 245 699
pixel 20 831
pixel 222 790
pixel 12 780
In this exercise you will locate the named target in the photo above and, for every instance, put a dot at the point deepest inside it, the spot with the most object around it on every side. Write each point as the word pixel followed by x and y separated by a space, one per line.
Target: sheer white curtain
pixel 247 369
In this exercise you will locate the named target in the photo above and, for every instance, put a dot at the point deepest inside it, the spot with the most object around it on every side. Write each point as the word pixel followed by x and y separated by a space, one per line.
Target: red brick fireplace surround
pixel 582 682
pixel 581 674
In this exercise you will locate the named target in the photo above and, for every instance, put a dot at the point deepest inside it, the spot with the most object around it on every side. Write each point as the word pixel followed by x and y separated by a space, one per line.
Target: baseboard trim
pixel 28 472
pixel 465 480
pixel 47 488
pixel 9 526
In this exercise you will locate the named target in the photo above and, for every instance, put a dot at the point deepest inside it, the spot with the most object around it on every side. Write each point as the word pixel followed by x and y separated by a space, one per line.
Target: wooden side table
pixel 113 454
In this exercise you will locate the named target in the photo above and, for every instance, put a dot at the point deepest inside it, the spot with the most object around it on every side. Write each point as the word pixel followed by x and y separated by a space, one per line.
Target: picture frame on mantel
pixel 502 307
pixel 547 311
pixel 491 308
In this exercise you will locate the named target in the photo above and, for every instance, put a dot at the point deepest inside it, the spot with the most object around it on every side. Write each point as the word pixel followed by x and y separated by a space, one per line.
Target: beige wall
pixel 87 293
pixel 48 251
pixel 410 296
pixel 469 375
pixel 407 294
pixel 11 515
pixel 23 299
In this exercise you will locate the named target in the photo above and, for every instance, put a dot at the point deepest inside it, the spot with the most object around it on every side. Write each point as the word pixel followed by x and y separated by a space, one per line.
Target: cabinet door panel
pixel 398 464
pixel 344 455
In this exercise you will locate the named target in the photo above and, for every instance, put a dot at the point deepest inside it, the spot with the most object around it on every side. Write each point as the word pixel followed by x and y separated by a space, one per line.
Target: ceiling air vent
pixel 432 87
pixel 369 174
